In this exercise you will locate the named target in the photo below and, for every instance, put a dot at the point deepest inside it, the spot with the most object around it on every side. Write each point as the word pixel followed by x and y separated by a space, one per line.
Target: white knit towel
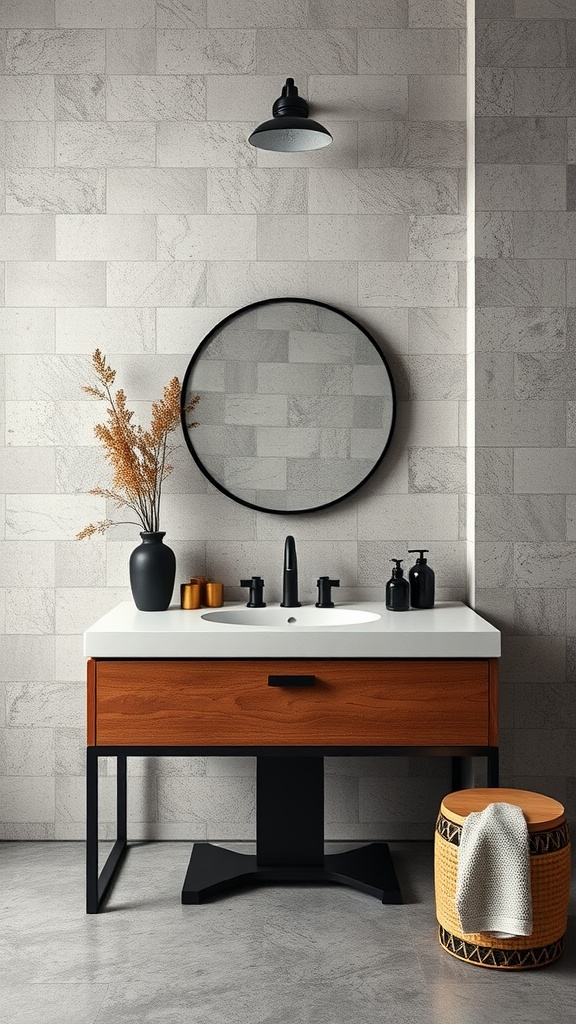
pixel 493 892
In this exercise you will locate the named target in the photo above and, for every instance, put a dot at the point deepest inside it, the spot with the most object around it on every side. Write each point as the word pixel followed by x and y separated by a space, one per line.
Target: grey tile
pixel 202 237
pixel 440 13
pixel 571 44
pixel 204 144
pixel 520 44
pixel 366 238
pixel 436 377
pixel 495 92
pixel 494 376
pixel 571 187
pixel 549 235
pixel 541 92
pixel 27 14
pixel 437 238
pixel 26 98
pixel 437 98
pixel 544 565
pixel 435 330
pixel 520 517
pixel 257 190
pixel 520 330
pixel 240 283
pixel 181 13
pixel 434 516
pixel 540 611
pixel 494 471
pixel 54 52
pixel 520 187
pixel 544 470
pixel 406 52
pixel 294 52
pixel 177 283
pixel 156 190
pixel 133 14
pixel 494 235
pixel 520 140
pixel 533 659
pixel 359 13
pixel 115 144
pixel 58 190
pixel 436 144
pixel 495 565
pixel 26 237
pixel 505 424
pixel 407 284
pixel 155 98
pixel 520 282
pixel 50 284
pixel 365 97
pixel 201 51
pixel 29 144
pixel 548 376
pixel 544 9
pixel 437 469
pixel 80 98
pixel 130 51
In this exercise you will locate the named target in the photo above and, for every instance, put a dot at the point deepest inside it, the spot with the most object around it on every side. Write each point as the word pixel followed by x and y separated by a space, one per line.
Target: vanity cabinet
pixel 173 684
pixel 350 703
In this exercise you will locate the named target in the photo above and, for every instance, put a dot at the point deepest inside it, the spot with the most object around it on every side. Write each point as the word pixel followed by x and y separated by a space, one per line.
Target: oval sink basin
pixel 291 618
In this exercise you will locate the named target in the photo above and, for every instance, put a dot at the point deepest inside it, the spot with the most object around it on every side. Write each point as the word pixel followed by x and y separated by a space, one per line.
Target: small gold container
pixel 189 595
pixel 201 581
pixel 214 594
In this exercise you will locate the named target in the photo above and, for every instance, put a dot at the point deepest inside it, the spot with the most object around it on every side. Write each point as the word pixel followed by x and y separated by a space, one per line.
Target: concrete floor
pixel 278 955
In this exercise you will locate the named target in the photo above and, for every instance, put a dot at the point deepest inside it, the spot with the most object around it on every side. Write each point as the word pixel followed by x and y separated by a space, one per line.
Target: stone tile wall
pixel 526 379
pixel 136 216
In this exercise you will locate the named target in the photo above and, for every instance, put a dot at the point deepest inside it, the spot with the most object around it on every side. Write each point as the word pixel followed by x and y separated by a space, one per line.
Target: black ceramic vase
pixel 152 573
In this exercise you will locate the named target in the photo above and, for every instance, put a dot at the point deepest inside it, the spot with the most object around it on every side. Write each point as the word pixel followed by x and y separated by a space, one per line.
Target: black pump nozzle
pixel 398 570
pixel 421 552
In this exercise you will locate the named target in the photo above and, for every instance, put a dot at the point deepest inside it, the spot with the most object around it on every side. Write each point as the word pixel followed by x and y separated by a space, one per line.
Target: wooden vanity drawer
pixel 352 703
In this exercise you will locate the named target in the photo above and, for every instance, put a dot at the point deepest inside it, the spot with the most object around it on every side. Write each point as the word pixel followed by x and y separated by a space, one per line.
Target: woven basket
pixel 549 872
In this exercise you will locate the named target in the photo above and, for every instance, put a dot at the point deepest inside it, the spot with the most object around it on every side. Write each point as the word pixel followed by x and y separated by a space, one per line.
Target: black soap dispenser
pixel 397 589
pixel 421 578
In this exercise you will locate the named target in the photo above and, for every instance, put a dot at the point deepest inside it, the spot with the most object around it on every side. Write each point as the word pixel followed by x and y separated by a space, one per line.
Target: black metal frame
pixel 290 837
pixel 197 355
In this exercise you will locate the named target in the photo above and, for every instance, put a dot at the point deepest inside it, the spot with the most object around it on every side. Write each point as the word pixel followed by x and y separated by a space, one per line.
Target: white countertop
pixel 449 630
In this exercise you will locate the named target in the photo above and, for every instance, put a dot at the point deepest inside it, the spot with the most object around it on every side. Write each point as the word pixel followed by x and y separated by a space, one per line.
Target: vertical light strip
pixel 470 303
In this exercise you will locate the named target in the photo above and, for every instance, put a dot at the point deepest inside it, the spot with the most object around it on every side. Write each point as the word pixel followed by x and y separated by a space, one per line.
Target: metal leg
pixel 462 773
pixel 121 797
pixel 494 767
pixel 91 831
pixel 97 885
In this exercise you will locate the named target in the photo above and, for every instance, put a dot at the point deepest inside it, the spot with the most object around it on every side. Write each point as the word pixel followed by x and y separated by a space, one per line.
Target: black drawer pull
pixel 291 680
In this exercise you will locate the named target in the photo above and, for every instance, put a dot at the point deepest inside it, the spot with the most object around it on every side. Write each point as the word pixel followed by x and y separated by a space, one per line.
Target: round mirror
pixel 296 405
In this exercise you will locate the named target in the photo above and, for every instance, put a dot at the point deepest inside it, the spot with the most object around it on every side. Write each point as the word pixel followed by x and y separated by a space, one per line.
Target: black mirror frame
pixel 190 368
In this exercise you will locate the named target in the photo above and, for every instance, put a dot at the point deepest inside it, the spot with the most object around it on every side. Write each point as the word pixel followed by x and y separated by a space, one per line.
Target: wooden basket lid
pixel 541 812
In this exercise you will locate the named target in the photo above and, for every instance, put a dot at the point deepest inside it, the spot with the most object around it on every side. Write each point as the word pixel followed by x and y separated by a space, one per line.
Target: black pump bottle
pixel 422 580
pixel 397 589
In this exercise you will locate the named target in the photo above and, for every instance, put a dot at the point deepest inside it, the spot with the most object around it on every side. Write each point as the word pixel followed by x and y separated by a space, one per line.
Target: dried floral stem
pixel 139 458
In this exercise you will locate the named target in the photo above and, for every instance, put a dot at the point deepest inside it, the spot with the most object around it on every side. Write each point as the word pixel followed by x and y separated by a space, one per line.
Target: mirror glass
pixel 296 405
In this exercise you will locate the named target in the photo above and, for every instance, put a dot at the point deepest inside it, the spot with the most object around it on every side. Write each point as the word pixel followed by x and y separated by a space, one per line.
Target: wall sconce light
pixel 290 130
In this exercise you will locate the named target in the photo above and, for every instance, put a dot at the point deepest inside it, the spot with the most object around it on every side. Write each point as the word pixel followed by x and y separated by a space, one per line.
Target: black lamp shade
pixel 290 130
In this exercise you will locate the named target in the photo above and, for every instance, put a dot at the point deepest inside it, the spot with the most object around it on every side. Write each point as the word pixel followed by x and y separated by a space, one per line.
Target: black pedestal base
pixel 212 869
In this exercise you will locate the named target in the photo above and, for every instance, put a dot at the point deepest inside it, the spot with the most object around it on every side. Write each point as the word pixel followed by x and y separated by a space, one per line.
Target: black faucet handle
pixel 325 585
pixel 256 585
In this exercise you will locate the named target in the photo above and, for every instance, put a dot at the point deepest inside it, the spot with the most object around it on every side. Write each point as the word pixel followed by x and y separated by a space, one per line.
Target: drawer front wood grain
pixel 352 703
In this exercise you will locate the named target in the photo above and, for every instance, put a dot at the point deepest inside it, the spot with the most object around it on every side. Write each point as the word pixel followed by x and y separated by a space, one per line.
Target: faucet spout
pixel 290 576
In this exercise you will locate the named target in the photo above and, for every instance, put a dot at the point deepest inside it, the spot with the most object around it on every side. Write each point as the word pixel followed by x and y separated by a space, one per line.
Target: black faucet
pixel 290 576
